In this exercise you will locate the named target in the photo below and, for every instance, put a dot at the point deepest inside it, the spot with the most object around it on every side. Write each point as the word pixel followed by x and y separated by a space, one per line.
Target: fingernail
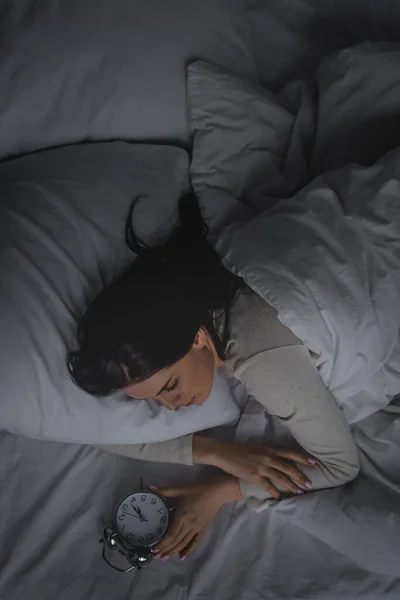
pixel 153 487
pixel 165 558
pixel 309 485
pixel 312 461
pixel 157 556
pixel 183 557
pixel 299 492
pixel 155 551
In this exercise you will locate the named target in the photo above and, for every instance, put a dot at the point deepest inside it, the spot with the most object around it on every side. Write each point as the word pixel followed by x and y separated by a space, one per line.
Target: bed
pixel 94 111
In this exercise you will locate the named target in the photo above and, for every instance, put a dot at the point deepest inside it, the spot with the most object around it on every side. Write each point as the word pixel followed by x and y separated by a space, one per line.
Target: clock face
pixel 142 519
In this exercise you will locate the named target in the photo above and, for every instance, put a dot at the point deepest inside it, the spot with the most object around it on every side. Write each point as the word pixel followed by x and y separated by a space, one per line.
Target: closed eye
pixel 172 387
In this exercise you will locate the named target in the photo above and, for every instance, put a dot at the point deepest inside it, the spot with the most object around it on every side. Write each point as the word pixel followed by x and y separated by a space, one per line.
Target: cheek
pixel 203 380
pixel 196 378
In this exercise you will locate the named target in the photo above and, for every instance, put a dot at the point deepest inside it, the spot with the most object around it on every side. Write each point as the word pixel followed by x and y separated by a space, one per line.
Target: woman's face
pixel 186 382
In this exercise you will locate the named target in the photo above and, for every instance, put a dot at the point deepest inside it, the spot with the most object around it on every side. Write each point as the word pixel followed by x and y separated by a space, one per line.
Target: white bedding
pixel 55 498
pixel 345 545
pixel 327 256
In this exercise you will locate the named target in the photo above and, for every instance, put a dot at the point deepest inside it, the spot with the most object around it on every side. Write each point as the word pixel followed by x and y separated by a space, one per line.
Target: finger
pixel 170 492
pixel 191 547
pixel 183 542
pixel 267 485
pixel 174 542
pixel 282 480
pixel 296 456
pixel 175 532
pixel 171 539
pixel 291 471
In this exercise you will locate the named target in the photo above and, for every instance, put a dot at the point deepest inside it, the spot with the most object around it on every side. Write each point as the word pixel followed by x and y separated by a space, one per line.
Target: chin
pixel 198 401
pixel 201 398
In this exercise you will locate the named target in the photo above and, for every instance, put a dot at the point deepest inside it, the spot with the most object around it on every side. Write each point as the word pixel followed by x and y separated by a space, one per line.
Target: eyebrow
pixel 165 386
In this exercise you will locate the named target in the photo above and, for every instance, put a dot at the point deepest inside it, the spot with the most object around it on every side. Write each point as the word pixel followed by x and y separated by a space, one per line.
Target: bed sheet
pixel 55 499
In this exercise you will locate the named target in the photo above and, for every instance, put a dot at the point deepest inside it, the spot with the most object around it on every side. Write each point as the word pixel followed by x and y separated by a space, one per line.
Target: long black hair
pixel 147 319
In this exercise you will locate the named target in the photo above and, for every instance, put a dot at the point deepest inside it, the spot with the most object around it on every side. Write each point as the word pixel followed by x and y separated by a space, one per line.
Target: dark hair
pixel 147 319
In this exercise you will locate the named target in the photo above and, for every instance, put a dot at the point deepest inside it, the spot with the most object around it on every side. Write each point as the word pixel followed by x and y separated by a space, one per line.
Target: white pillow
pixel 62 218
pixel 103 70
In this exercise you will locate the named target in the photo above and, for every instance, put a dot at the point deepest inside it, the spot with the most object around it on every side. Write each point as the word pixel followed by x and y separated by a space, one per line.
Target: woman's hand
pixel 256 463
pixel 197 506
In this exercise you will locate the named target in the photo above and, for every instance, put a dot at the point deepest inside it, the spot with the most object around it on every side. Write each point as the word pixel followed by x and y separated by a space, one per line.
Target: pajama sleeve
pixel 286 382
pixel 171 451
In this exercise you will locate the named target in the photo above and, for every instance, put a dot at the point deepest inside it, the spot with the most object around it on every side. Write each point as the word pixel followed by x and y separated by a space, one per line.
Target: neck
pixel 218 362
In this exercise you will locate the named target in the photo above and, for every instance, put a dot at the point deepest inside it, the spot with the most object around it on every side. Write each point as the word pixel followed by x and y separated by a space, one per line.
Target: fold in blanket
pixel 324 252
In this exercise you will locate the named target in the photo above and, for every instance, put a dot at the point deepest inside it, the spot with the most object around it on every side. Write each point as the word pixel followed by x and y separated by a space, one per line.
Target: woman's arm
pixel 170 451
pixel 258 464
pixel 285 381
pixel 190 449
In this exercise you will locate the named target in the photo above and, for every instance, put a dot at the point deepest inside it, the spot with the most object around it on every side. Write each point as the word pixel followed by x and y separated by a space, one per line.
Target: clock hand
pixel 141 517
pixel 139 512
pixel 137 516
pixel 131 515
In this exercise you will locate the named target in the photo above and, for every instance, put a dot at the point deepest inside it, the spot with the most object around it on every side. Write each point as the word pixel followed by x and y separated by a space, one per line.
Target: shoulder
pixel 255 328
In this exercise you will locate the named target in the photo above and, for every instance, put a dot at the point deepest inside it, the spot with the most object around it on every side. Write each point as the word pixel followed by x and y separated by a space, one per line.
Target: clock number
pixel 150 537
pixel 162 520
pixel 133 499
pixel 124 507
pixel 143 498
pixel 130 536
pixel 161 511
pixel 121 517
pixel 159 530
pixel 153 501
pixel 141 540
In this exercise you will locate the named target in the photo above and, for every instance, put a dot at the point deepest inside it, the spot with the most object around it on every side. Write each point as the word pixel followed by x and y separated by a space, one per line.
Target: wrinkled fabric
pixel 326 257
pixel 56 498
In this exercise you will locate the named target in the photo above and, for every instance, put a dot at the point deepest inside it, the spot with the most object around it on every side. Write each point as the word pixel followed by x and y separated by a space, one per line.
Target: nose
pixel 171 403
pixel 176 401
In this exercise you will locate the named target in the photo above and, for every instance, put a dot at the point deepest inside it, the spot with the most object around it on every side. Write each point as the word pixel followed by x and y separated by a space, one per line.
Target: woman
pixel 160 331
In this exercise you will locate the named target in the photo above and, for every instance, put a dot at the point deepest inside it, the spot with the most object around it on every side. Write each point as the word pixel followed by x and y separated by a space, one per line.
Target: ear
pixel 200 341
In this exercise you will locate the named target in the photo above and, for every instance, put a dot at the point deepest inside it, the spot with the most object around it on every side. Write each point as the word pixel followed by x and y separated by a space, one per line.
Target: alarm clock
pixel 140 522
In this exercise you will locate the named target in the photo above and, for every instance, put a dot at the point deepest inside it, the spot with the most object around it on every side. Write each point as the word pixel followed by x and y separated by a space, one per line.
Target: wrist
pixel 228 490
pixel 205 451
